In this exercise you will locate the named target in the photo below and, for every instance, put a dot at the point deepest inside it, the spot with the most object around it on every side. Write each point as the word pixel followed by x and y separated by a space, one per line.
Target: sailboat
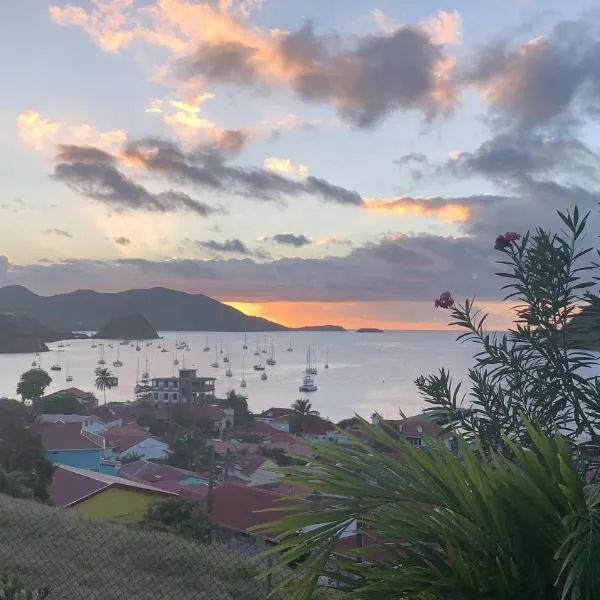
pixel 327 357
pixel 221 350
pixel 215 365
pixel 271 360
pixel 34 362
pixel 101 360
pixel 207 347
pixel 94 345
pixel 263 376
pixel 137 347
pixel 308 384
pixel 69 377
pixel 138 388
pixel 310 370
pixel 264 350
pixel 146 373
pixel 229 372
pixel 175 360
pixel 56 366
pixel 226 357
pixel 259 366
pixel 245 346
pixel 257 351
pixel 243 382
pixel 290 348
pixel 118 362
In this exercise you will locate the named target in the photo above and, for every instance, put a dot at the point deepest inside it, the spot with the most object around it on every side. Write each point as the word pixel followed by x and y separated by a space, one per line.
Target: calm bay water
pixel 367 371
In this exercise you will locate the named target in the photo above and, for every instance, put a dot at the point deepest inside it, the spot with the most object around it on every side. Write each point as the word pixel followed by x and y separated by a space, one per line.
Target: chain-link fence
pixel 81 559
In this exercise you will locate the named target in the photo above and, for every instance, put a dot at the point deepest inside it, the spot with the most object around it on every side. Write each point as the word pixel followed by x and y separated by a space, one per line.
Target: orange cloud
pixel 40 132
pixel 285 166
pixel 421 207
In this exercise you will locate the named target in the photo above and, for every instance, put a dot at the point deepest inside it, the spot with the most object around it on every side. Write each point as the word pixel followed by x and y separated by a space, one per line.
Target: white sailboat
pixel 118 362
pixel 308 384
pixel 271 360
pixel 56 366
pixel 215 364
pixel 175 360
pixel 290 348
pixel 229 372
pixel 245 346
pixel 264 350
pixel 263 376
pixel 226 358
pixel 259 365
pixel 257 351
pixel 221 350
pixel 101 360
pixel 69 377
pixel 146 373
pixel 327 357
pixel 243 382
pixel 310 369
pixel 207 347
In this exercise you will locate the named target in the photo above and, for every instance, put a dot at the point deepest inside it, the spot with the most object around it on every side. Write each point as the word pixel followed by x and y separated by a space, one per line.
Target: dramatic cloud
pixel 42 133
pixel 285 166
pixel 445 209
pixel 291 239
pixel 122 241
pixel 233 246
pixel 90 174
pixel 93 173
pixel 547 80
pixel 59 232
pixel 365 78
pixel 395 268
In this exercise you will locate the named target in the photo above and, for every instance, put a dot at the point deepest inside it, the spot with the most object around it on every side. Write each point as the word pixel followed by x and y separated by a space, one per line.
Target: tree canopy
pixel 33 384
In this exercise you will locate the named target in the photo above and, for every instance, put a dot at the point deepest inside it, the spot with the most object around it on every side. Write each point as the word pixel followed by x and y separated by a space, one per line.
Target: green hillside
pixel 87 560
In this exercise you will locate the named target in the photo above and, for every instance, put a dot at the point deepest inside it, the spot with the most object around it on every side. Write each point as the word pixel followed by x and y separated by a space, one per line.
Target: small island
pixel 320 328
pixel 369 330
pixel 132 327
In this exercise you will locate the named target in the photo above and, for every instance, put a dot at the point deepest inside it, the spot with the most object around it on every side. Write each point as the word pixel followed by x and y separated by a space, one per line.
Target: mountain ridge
pixel 164 308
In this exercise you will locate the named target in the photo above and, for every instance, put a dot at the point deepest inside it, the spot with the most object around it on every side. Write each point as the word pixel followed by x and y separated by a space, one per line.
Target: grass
pixel 83 559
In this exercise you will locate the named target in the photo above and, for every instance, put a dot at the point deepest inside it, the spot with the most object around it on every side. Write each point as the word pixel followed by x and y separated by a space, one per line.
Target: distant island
pixel 369 330
pixel 131 327
pixel 19 334
pixel 583 330
pixel 165 309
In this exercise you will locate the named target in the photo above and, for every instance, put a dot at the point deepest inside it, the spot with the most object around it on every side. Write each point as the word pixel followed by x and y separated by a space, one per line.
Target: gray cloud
pixel 233 246
pixel 106 184
pixel 555 79
pixel 56 231
pixel 364 78
pixel 94 174
pixel 122 241
pixel 291 239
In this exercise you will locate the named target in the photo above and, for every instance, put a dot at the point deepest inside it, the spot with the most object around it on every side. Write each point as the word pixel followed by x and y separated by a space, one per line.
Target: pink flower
pixel 444 301
pixel 501 243
pixel 511 236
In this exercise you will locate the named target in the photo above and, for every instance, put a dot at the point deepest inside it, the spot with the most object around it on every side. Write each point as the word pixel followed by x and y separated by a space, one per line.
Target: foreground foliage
pixel 434 527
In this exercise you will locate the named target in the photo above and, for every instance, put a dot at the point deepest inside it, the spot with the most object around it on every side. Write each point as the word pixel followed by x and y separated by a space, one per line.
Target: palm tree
pixel 103 381
pixel 304 412
pixel 433 527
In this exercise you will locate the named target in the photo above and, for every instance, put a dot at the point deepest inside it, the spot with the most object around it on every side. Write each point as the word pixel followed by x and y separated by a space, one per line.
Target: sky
pixel 309 162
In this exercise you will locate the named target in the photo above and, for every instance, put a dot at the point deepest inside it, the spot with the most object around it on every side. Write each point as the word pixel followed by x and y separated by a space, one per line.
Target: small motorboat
pixel 308 385
pixel 263 376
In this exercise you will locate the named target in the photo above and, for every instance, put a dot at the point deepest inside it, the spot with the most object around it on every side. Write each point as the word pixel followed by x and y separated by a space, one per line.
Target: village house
pixel 278 418
pixel 186 388
pixel 220 419
pixel 88 422
pixel 130 440
pixel 102 496
pixel 416 431
pixel 165 477
pixel 252 470
pixel 87 400
pixel 110 417
pixel 71 445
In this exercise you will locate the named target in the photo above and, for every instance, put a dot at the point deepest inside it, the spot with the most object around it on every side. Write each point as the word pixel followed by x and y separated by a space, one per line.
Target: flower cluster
pixel 502 241
pixel 444 301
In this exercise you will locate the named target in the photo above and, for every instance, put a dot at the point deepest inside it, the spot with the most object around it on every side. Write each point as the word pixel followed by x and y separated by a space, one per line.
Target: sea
pixel 367 372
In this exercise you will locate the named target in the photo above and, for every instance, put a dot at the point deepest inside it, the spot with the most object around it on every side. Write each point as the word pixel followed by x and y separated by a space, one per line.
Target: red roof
pixel 250 463
pixel 125 437
pixel 71 485
pixel 211 412
pixel 236 507
pixel 320 427
pixel 65 436
pixel 275 413
pixel 264 429
pixel 105 413
pixel 78 393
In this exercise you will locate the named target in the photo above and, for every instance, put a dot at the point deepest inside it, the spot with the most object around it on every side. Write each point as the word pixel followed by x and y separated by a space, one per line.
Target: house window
pixel 415 441
pixel 166 396
pixel 156 395
pixel 174 396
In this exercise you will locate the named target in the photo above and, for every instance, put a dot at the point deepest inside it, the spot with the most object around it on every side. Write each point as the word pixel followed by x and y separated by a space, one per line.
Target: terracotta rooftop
pixel 105 413
pixel 275 413
pixel 320 427
pixel 124 437
pixel 65 436
pixel 236 507
pixel 71 485
pixel 78 393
